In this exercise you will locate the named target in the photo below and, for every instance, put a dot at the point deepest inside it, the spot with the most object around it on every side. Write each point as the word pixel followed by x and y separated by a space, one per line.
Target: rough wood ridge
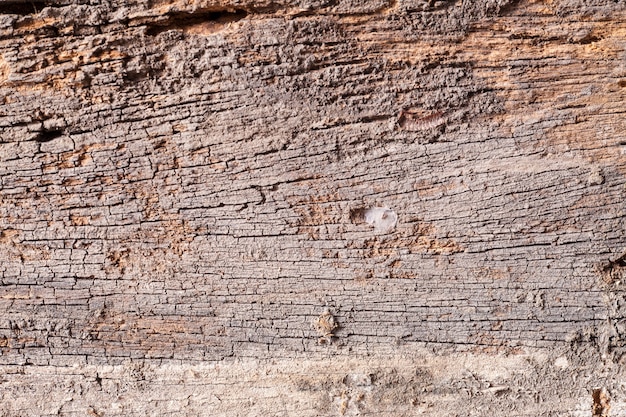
pixel 312 207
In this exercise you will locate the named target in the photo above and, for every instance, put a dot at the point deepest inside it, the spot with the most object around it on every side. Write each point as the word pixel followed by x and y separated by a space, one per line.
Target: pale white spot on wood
pixel 595 178
pixel 561 362
pixel 382 218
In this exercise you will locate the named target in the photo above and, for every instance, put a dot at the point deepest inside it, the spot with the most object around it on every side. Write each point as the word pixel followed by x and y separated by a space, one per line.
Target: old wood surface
pixel 183 196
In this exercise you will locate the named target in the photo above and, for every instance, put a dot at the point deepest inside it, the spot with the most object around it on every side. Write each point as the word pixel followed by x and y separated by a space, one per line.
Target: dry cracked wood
pixel 183 196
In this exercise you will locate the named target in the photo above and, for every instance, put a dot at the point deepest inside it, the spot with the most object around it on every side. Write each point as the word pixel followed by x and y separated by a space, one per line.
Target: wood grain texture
pixel 182 195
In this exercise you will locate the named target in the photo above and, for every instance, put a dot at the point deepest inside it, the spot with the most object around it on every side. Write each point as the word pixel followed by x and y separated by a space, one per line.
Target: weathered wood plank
pixel 183 187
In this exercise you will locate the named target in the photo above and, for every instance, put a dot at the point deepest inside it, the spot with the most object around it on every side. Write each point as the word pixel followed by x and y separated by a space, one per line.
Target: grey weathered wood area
pixel 182 197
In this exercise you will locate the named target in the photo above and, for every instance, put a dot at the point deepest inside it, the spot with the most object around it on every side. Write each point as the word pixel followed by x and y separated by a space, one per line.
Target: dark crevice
pixel 21 7
pixel 209 21
pixel 617 263
pixel 357 215
pixel 601 403
pixel 48 135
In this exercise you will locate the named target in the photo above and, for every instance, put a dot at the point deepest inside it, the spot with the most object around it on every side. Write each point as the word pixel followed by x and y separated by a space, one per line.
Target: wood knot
pixel 324 325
